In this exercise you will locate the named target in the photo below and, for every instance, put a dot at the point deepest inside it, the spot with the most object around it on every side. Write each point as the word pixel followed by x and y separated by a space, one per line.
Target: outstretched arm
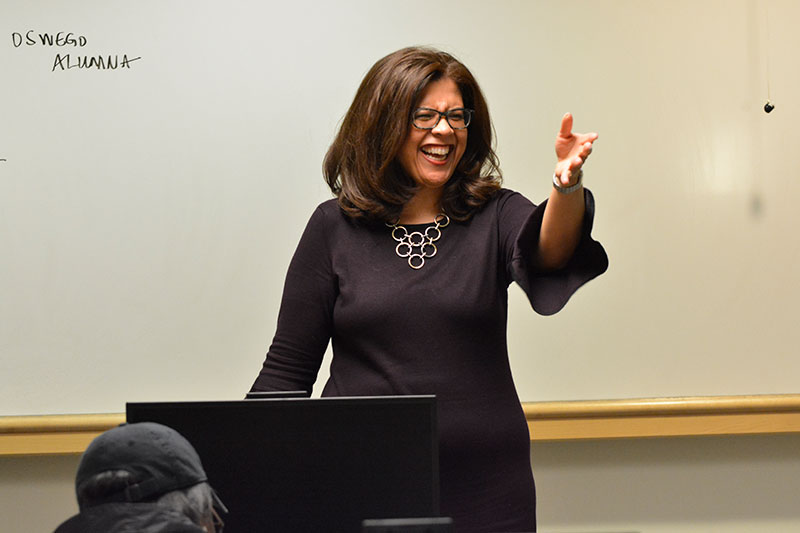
pixel 563 216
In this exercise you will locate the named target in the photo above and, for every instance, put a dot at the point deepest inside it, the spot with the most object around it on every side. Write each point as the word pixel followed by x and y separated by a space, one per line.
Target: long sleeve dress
pixel 437 330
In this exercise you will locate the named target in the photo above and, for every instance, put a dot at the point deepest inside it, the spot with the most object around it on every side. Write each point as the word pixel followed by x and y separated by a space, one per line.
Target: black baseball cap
pixel 158 458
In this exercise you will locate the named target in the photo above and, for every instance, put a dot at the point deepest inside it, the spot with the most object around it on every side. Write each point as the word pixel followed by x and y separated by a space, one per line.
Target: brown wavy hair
pixel 361 165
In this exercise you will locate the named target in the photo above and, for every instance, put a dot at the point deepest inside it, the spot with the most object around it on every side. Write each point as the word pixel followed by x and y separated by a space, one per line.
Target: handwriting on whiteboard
pixel 69 61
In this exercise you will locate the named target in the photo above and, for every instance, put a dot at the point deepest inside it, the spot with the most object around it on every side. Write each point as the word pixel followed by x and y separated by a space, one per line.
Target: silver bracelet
pixel 566 190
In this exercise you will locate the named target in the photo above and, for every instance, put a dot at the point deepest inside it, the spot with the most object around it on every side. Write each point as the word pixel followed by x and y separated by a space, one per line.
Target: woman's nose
pixel 443 126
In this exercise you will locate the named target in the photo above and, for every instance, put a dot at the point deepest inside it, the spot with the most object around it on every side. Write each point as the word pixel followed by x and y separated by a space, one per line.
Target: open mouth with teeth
pixel 436 153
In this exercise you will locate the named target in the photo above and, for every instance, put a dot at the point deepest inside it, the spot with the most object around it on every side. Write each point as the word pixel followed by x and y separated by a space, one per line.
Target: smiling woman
pixel 364 165
pixel 414 153
pixel 430 154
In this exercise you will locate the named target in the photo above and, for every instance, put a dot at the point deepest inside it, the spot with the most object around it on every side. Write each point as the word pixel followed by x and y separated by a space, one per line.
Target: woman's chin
pixel 434 180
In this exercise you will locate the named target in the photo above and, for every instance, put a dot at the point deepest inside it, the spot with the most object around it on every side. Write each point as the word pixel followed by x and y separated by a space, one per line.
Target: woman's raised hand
pixel 572 149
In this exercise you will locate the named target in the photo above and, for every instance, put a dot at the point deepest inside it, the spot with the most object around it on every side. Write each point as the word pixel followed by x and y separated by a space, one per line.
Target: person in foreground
pixel 143 478
pixel 407 271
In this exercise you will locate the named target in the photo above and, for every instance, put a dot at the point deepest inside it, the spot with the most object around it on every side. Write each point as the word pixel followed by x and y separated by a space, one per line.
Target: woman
pixel 407 271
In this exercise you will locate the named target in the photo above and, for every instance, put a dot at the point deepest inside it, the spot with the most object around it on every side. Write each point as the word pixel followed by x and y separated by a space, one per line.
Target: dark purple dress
pixel 437 330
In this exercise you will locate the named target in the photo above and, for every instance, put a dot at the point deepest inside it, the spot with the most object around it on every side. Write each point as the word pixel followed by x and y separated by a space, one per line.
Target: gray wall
pixel 681 485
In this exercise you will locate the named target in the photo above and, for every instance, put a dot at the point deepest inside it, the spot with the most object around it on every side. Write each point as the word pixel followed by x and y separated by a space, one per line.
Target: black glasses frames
pixel 425 118
pixel 219 525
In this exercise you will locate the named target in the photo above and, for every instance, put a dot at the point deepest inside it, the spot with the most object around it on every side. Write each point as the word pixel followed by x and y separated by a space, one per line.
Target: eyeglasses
pixel 219 525
pixel 426 118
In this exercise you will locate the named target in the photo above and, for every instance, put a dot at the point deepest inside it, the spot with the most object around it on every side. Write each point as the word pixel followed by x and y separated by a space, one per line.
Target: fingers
pixel 572 166
pixel 566 129
pixel 568 174
pixel 582 151
pixel 566 125
pixel 572 150
pixel 569 169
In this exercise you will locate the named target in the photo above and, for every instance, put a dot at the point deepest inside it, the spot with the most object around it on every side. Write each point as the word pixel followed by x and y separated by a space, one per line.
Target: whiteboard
pixel 148 212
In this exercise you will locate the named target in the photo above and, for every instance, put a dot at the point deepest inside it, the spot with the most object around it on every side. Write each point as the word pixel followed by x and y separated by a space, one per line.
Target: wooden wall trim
pixel 52 434
pixel 663 417
pixel 547 421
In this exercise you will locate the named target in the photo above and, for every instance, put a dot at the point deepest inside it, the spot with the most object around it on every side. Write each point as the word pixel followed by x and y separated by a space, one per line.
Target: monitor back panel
pixel 321 464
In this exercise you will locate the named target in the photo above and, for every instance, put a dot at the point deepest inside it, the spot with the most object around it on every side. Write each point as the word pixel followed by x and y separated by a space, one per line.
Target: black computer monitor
pixel 302 464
